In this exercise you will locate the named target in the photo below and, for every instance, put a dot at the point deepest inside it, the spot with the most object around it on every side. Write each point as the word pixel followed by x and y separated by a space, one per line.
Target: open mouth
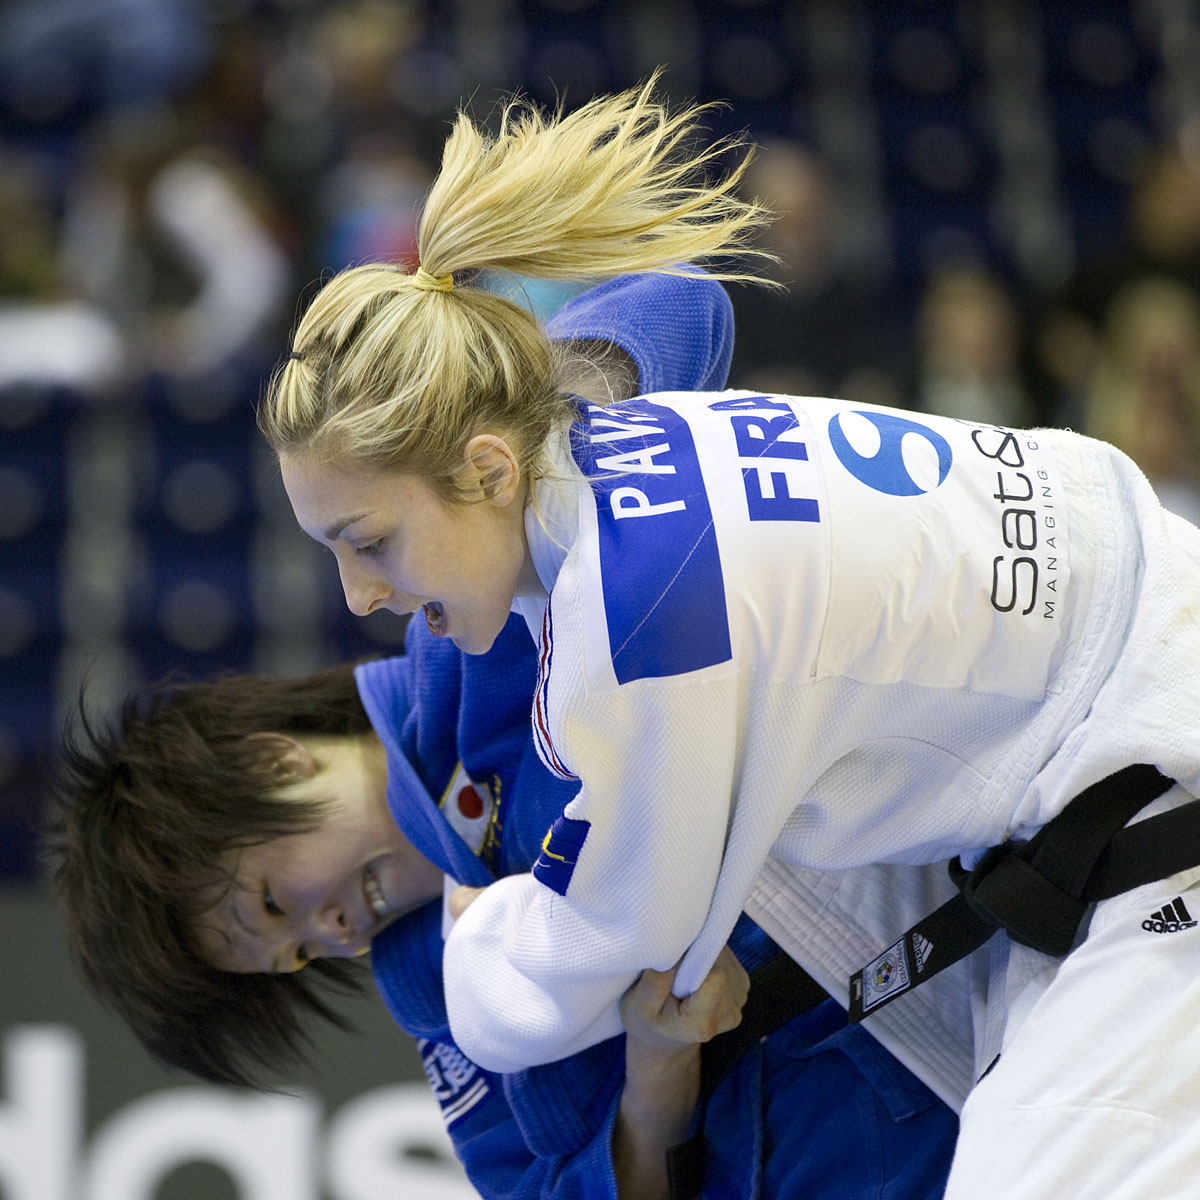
pixel 435 618
pixel 376 900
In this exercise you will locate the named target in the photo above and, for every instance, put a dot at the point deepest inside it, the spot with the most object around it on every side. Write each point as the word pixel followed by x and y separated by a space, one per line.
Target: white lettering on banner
pixel 41 1122
pixel 141 1145
pixel 638 461
pixel 619 430
pixel 640 506
pixel 631 501
pixel 370 1141
pixel 390 1141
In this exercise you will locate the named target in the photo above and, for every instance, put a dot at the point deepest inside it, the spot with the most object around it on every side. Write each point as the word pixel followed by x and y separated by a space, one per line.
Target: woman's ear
pixel 291 760
pixel 492 467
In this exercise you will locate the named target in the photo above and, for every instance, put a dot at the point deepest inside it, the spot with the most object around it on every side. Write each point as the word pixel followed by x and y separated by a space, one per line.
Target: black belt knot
pixel 1008 892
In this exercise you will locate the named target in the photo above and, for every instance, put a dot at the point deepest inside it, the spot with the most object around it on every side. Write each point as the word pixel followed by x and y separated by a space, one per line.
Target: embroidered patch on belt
pixel 560 852
pixel 880 979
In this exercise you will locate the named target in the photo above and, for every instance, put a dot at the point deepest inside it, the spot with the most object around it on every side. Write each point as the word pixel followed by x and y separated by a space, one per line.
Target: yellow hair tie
pixel 424 282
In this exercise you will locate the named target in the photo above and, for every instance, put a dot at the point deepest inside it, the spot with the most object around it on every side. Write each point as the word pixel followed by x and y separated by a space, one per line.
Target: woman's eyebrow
pixel 335 530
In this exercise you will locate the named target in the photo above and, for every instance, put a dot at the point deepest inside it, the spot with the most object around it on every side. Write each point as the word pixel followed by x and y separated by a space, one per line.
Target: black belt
pixel 1039 891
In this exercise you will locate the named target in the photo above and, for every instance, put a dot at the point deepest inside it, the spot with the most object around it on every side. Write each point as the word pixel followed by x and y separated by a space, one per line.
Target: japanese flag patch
pixel 469 808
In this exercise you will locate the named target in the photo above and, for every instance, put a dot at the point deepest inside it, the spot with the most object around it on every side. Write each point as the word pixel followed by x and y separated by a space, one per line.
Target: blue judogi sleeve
pixel 679 331
pixel 544 1133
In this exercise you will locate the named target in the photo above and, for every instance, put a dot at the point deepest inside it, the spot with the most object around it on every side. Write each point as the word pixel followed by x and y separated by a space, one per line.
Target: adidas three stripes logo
pixel 1171 918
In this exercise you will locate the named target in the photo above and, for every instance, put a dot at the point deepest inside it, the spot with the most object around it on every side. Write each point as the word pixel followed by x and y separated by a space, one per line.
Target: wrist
pixel 651 1077
pixel 654 1059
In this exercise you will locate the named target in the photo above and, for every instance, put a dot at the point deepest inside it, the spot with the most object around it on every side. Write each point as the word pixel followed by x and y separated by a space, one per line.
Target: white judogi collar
pixel 551 525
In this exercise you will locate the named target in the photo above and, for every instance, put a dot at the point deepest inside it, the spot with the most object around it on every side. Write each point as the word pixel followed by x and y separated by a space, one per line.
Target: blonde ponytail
pixel 398 371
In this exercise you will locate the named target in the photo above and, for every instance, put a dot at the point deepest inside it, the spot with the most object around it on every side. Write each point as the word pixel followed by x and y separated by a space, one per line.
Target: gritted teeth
pixel 374 895
pixel 435 617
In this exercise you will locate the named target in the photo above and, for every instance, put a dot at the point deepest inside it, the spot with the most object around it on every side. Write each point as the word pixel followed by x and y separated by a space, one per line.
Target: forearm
pixel 655 1114
pixel 662 1067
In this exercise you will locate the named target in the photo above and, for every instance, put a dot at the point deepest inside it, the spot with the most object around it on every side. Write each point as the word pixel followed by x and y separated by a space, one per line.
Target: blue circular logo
pixel 885 470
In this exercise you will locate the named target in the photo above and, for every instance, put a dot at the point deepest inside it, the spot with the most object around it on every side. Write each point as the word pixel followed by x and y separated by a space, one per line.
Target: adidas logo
pixel 922 948
pixel 1171 918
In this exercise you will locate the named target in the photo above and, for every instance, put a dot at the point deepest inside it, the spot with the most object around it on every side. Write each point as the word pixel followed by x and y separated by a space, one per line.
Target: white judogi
pixel 791 641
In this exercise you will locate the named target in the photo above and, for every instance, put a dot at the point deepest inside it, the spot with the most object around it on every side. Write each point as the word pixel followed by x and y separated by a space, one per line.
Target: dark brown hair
pixel 145 808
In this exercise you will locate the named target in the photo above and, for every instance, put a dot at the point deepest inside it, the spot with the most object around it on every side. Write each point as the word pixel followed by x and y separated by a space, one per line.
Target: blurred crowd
pixel 990 211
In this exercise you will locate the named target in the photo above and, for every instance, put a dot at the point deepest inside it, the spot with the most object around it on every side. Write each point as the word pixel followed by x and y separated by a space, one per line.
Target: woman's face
pixel 401 547
pixel 325 893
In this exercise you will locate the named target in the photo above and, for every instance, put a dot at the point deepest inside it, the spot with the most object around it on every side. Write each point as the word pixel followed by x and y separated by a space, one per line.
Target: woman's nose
pixel 364 591
pixel 331 923
pixel 333 935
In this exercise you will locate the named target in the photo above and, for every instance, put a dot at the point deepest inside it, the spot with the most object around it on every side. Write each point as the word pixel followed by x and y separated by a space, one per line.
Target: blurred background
pixel 988 208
